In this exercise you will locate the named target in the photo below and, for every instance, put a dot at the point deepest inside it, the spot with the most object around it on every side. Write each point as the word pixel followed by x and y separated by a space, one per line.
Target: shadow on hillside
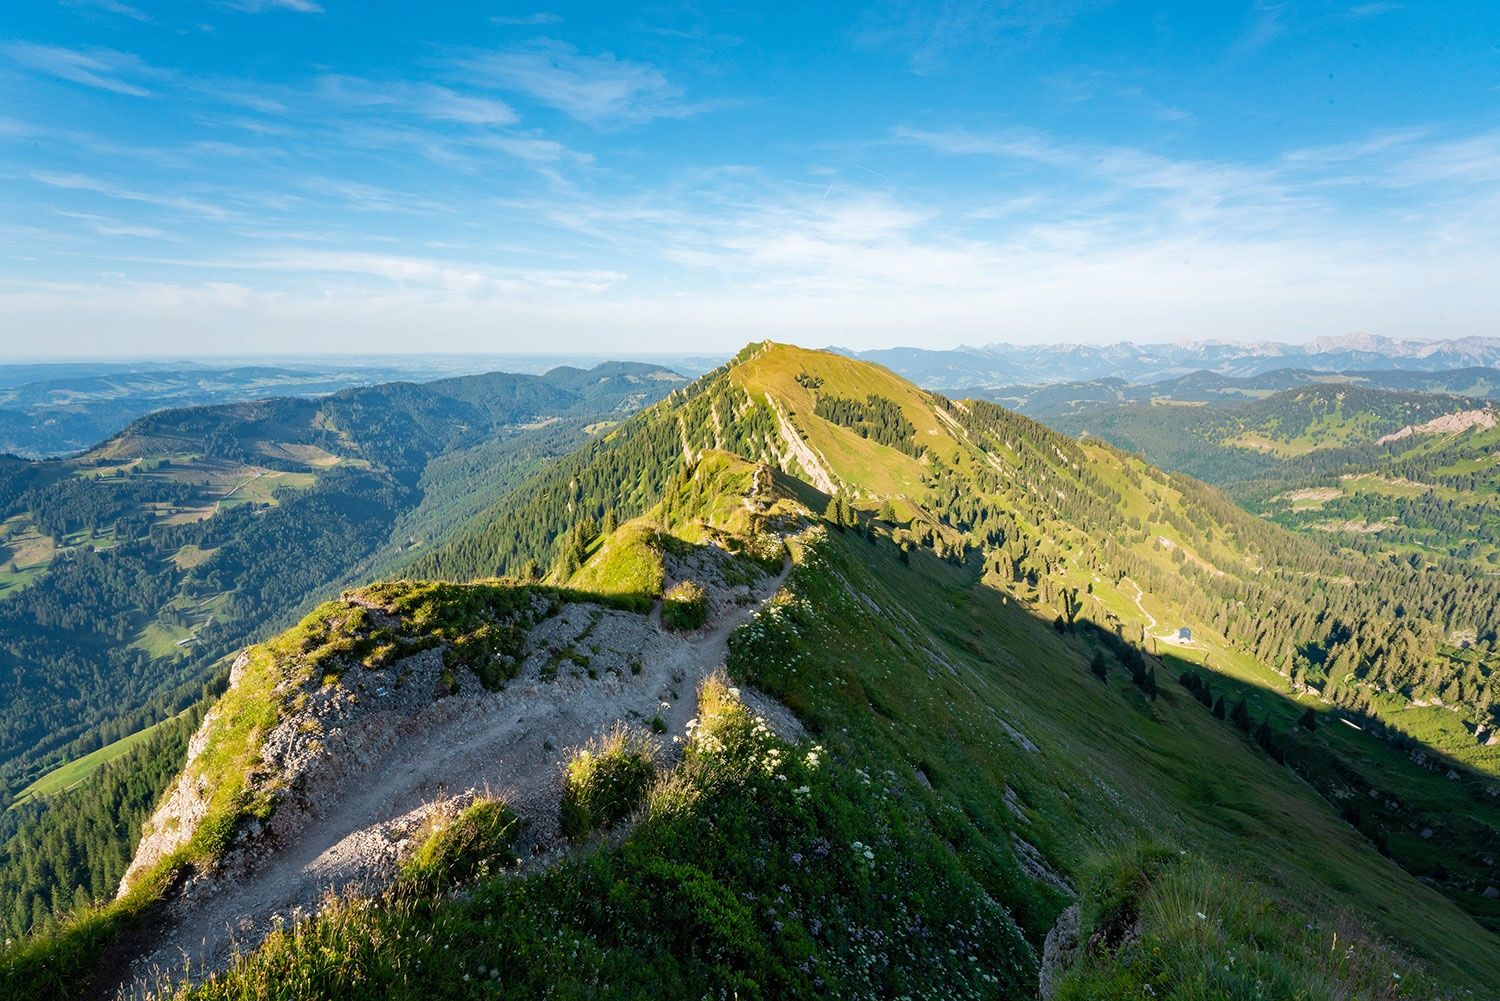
pixel 1430 813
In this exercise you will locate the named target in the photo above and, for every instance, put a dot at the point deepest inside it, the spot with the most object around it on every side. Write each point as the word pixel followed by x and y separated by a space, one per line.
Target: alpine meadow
pixel 990 500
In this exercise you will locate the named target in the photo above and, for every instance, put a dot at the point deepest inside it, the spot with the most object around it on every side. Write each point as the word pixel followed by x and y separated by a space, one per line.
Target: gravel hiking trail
pixel 510 742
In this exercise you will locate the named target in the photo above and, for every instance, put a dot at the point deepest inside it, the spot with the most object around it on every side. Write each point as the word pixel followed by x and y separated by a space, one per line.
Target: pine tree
pixel 1219 712
pixel 1240 714
pixel 1098 667
pixel 1309 720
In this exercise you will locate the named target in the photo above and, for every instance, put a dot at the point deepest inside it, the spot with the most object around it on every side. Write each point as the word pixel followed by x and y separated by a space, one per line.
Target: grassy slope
pixel 1458 815
pixel 66 776
pixel 1109 764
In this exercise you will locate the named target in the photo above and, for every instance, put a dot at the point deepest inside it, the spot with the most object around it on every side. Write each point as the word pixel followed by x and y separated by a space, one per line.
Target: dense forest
pixel 58 854
pixel 874 417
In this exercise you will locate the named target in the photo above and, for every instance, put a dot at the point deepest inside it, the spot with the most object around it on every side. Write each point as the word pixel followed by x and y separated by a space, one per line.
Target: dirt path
pixel 511 742
pixel 1139 594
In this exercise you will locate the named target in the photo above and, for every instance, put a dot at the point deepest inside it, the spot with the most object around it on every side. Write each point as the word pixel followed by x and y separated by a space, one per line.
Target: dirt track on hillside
pixel 511 742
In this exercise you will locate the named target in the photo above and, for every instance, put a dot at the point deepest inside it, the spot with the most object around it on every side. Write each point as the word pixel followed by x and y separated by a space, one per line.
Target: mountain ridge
pixel 972 633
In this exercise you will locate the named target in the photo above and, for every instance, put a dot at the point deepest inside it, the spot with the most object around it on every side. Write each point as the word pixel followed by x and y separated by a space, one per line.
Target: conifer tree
pixel 1240 714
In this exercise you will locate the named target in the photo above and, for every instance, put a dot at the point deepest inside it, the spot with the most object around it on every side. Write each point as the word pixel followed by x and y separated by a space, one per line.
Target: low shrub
pixel 454 847
pixel 605 780
pixel 685 606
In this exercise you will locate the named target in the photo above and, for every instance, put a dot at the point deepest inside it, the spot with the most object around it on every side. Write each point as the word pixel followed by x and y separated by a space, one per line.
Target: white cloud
pixel 109 7
pixel 423 99
pixel 527 20
pixel 107 189
pixel 105 69
pixel 599 90
pixel 933 33
pixel 262 6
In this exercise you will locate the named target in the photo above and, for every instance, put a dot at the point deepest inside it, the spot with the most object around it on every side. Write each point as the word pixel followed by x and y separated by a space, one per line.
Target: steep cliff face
pixel 172 826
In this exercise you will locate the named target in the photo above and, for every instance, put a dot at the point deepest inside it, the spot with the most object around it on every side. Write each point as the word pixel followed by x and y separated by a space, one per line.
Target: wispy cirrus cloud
pixel 1374 9
pixel 106 69
pixel 109 7
pixel 460 277
pixel 426 100
pixel 1267 21
pixel 599 90
pixel 264 6
pixel 526 20
pixel 107 189
pixel 933 33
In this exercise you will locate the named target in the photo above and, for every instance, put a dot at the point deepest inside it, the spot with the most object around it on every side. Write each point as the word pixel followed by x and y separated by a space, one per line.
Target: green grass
pixel 262 489
pixel 454 847
pixel 160 640
pixel 685 606
pixel 927 680
pixel 1163 924
pixel 605 780
pixel 69 774
pixel 628 563
pixel 12 581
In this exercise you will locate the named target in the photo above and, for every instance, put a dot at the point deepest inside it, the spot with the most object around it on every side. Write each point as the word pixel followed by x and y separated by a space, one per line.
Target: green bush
pixel 455 847
pixel 605 780
pixel 685 606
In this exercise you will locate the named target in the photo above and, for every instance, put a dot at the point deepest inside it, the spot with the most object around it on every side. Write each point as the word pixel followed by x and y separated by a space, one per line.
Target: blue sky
pixel 232 176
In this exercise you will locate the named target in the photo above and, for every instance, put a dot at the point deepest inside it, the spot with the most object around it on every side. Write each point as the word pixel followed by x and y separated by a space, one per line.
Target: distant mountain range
pixel 1050 402
pixel 997 365
pixel 62 408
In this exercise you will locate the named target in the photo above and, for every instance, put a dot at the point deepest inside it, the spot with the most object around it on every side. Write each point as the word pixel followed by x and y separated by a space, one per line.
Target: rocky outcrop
pixel 796 448
pixel 1446 424
pixel 1058 951
pixel 175 820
